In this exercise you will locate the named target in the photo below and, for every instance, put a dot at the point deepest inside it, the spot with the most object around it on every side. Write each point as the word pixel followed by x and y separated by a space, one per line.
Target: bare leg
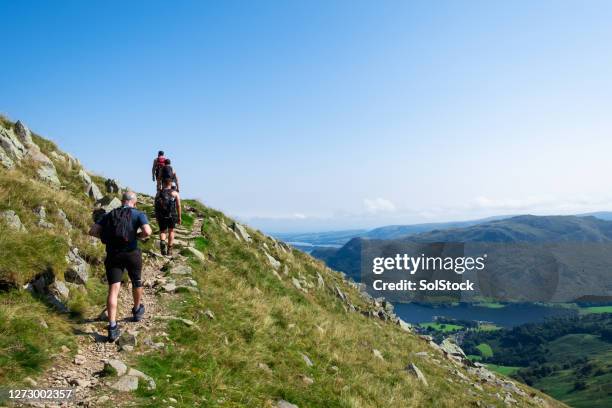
pixel 111 301
pixel 162 235
pixel 137 294
pixel 170 236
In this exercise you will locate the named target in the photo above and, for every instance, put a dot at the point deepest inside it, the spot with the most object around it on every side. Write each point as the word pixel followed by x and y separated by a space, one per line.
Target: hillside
pixel 530 258
pixel 236 319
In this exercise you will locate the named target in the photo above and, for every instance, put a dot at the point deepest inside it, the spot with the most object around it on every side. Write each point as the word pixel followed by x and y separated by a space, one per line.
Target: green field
pixel 442 327
pixel 485 350
pixel 596 309
pixel 505 370
pixel 491 305
pixel 488 327
pixel 561 385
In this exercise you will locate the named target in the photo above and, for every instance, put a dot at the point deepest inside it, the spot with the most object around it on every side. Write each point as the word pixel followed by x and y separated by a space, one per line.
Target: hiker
pixel 168 214
pixel 167 172
pixel 118 230
pixel 158 164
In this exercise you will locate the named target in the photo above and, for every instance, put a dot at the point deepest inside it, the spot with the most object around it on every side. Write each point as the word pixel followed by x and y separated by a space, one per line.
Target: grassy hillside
pixel 267 324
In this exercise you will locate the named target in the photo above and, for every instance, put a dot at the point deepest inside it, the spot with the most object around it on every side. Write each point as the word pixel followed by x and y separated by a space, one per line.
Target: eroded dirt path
pixel 83 369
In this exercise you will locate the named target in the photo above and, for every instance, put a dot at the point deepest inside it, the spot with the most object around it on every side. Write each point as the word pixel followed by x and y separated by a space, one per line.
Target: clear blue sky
pixel 317 115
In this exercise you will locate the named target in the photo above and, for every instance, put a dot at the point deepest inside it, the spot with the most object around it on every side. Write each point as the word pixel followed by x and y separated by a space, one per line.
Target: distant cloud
pixel 299 216
pixel 379 205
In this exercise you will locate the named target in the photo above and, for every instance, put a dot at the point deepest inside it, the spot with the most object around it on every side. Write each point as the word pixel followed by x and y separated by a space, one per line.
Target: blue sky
pixel 297 115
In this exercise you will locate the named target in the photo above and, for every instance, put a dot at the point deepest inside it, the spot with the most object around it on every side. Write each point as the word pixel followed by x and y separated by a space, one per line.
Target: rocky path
pixel 99 371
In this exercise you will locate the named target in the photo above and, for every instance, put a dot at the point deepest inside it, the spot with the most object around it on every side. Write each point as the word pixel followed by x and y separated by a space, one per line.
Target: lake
pixel 513 314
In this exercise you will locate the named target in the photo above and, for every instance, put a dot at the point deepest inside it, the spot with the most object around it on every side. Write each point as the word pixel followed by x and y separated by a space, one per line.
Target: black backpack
pixel 165 205
pixel 118 229
pixel 167 172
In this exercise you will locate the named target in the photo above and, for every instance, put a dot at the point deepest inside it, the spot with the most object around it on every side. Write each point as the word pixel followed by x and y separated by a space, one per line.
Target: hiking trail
pixel 99 371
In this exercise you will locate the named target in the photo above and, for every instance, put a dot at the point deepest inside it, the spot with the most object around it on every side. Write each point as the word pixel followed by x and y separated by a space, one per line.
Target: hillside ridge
pixel 236 318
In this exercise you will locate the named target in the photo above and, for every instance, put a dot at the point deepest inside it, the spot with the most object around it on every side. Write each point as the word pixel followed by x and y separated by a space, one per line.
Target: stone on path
pixel 126 383
pixel 117 365
pixel 197 253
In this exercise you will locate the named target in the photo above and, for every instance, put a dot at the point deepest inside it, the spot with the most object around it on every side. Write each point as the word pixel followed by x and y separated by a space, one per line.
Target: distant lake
pixel 512 314
pixel 308 247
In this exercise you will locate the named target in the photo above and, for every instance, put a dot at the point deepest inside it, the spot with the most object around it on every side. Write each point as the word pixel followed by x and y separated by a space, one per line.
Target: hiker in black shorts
pixel 168 214
pixel 167 172
pixel 118 230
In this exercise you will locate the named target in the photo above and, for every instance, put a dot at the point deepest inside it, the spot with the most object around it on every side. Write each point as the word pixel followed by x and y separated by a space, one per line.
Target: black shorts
pixel 166 223
pixel 116 262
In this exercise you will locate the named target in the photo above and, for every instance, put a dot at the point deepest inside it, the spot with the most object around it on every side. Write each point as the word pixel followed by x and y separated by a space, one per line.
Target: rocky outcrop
pixel 414 370
pixel 94 192
pixel 108 203
pixel 12 221
pixel 41 213
pixel 78 269
pixel 16 144
pixel 241 231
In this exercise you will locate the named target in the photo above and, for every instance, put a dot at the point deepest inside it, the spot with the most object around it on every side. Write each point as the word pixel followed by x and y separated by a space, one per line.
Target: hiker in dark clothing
pixel 158 164
pixel 168 214
pixel 118 230
pixel 167 172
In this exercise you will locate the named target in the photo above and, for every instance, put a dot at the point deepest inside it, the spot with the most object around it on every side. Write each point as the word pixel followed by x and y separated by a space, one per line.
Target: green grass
pixel 505 370
pixel 187 220
pixel 491 305
pixel 441 327
pixel 473 357
pixel 488 327
pixel 485 350
pixel 26 346
pixel 596 309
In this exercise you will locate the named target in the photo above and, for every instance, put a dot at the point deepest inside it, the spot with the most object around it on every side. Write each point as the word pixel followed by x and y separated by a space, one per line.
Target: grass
pixel 187 220
pixel 441 327
pixel 488 327
pixel 485 350
pixel 26 346
pixel 491 305
pixel 505 370
pixel 596 309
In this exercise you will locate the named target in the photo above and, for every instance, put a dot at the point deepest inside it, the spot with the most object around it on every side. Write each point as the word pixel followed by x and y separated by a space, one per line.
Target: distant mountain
pixel 556 258
pixel 400 231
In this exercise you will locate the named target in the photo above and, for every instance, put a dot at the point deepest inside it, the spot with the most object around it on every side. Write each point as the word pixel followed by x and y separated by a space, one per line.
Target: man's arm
pixel 95 230
pixel 145 231
pixel 153 170
pixel 176 181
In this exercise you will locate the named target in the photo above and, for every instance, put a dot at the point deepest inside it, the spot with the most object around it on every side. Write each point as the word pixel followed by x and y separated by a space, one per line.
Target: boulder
pixel 5 159
pixel 59 289
pixel 46 169
pixel 12 220
pixel 23 133
pixel 94 192
pixel 85 177
pixel 108 203
pixel 117 365
pixel 64 218
pixel 273 261
pixel 451 348
pixel 11 145
pixel 285 404
pixel 126 383
pixel 41 213
pixel 132 372
pixel 241 231
pixel 180 270
pixel 127 339
pixel 78 269
pixel 197 253
pixel 414 370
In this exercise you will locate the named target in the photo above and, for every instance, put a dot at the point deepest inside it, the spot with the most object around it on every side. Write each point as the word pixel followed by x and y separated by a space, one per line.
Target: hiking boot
pixel 138 313
pixel 169 251
pixel 113 333
pixel 163 247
